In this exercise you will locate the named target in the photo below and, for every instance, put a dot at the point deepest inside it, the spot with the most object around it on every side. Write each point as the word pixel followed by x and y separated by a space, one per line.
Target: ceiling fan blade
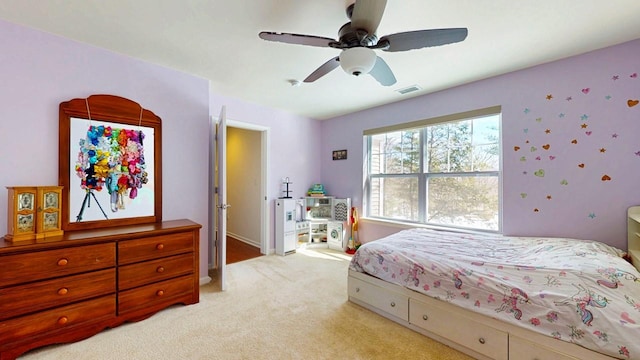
pixel 382 73
pixel 323 70
pixel 423 38
pixel 298 39
pixel 367 14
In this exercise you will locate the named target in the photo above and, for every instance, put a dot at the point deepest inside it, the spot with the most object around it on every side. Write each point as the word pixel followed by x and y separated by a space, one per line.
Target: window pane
pixel 463 201
pixel 486 158
pixel 485 130
pixel 449 147
pixel 395 153
pixel 463 146
pixel 486 149
pixel 395 198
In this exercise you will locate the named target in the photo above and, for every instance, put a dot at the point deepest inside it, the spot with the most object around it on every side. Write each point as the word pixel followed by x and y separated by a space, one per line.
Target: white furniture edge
pixel 568 350
pixel 633 235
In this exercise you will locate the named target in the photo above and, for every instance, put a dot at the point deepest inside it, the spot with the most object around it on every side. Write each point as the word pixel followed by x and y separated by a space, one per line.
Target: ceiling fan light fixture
pixel 357 60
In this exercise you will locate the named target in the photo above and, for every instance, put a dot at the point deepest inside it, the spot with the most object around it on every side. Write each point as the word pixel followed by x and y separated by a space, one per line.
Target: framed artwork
pixel 109 163
pixel 339 154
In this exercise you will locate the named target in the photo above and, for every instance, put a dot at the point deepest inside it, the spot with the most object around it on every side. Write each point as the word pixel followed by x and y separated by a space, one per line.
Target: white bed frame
pixel 474 334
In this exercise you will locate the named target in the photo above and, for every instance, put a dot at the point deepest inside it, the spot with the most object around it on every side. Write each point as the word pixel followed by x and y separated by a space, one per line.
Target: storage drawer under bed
pixel 525 350
pixel 389 301
pixel 458 328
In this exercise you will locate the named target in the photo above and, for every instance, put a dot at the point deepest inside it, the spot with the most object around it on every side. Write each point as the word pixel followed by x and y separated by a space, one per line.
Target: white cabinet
pixel 633 235
pixel 286 235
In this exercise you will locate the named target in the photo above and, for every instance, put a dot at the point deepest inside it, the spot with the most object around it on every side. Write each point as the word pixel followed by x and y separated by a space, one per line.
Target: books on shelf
pixel 316 190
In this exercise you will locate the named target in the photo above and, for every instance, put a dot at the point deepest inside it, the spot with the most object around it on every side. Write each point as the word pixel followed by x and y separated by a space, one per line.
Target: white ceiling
pixel 218 40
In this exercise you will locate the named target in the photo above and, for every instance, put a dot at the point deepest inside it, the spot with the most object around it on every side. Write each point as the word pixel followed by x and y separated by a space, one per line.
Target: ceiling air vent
pixel 409 89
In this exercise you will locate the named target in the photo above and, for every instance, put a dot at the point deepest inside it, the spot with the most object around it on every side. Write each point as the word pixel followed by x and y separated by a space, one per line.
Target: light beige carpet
pixel 292 307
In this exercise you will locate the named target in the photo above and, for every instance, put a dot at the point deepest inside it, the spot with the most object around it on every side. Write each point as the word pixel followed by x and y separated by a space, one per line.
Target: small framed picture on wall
pixel 339 154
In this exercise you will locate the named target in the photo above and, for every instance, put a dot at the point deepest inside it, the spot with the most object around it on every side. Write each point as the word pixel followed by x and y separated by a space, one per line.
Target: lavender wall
pixel 571 156
pixel 39 71
pixel 294 147
pixel 294 143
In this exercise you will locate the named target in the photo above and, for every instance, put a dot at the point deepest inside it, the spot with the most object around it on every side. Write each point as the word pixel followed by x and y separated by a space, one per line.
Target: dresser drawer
pixel 40 265
pixel 386 300
pixel 458 328
pixel 97 310
pixel 148 296
pixel 32 297
pixel 131 251
pixel 130 276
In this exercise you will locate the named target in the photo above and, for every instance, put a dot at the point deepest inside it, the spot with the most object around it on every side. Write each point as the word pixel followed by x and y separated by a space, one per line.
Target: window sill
pixel 411 225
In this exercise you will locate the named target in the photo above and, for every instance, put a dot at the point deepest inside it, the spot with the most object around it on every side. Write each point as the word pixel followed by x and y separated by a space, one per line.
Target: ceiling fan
pixel 357 39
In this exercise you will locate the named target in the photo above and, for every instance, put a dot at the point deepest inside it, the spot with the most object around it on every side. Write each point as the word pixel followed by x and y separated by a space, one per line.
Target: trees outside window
pixel 445 174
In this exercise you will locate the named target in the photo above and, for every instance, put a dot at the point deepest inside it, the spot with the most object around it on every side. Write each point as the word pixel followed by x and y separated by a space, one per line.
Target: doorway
pixel 260 175
pixel 247 174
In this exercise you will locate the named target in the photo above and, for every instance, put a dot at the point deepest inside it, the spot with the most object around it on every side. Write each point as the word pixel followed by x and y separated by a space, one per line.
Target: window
pixel 443 171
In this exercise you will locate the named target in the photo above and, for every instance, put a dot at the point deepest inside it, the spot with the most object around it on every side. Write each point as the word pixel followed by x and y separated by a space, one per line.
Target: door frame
pixel 264 176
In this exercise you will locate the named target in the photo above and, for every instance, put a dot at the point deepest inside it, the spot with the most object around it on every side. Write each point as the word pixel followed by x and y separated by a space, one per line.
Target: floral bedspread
pixel 578 291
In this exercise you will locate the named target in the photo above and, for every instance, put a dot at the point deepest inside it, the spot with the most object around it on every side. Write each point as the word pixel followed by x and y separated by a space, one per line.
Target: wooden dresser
pixel 70 288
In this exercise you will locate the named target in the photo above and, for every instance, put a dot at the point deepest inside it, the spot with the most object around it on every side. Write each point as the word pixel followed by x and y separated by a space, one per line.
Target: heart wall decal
pixel 632 103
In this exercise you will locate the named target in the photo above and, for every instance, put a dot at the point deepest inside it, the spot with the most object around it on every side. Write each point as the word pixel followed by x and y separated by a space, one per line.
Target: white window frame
pixel 423 176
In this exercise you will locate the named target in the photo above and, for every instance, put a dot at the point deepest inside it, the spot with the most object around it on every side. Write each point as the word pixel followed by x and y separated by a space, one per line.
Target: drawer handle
pixel 63 291
pixel 425 317
pixel 160 269
pixel 159 246
pixel 482 341
pixel 63 262
pixel 159 292
pixel 357 289
pixel 393 304
pixel 63 320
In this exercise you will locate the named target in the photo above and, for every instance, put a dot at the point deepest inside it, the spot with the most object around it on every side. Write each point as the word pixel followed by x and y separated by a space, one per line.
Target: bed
pixel 497 297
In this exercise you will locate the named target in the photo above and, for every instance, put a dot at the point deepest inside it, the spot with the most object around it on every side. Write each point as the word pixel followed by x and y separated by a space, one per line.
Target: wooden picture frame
pixel 339 154
pixel 109 163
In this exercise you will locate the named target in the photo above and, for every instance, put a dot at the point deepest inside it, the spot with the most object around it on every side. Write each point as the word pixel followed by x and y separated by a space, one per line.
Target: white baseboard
pixel 243 239
pixel 239 238
pixel 205 280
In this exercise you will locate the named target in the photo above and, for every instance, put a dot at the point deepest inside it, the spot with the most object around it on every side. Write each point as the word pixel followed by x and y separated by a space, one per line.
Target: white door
pixel 221 204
